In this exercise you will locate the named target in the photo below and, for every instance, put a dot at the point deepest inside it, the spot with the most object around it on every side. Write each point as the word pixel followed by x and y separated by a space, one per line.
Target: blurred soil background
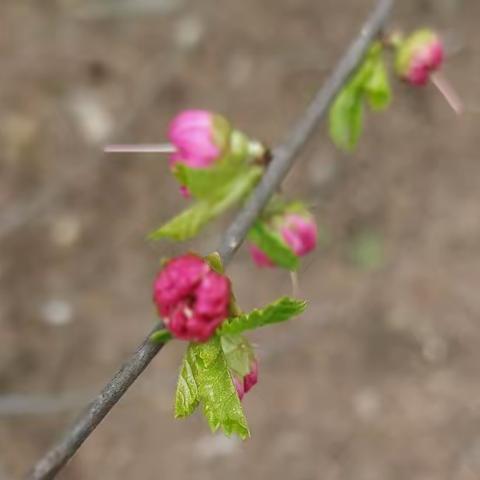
pixel 378 381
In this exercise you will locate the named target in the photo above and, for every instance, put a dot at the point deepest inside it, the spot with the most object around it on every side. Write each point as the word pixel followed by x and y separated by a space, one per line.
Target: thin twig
pixel 283 159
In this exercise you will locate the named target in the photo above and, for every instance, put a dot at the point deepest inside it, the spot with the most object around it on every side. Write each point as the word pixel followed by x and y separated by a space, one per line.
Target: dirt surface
pixel 379 380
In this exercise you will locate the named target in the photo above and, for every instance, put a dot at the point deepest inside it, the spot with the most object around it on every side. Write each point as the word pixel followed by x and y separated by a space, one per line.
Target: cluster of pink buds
pixel 192 298
pixel 298 231
pixel 248 382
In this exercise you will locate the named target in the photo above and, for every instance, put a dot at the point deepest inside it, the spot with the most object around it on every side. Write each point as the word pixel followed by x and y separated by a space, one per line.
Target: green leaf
pixel 186 396
pixel 186 225
pixel 189 223
pixel 161 336
pixel 273 245
pixel 209 183
pixel 238 353
pixel 370 82
pixel 346 117
pixel 277 312
pixel 216 390
pixel 377 87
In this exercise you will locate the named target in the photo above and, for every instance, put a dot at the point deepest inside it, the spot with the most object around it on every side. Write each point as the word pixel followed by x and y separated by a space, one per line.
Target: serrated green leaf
pixel 216 390
pixel 186 396
pixel 238 353
pixel 277 312
pixel 273 246
pixel 189 223
pixel 346 117
pixel 377 87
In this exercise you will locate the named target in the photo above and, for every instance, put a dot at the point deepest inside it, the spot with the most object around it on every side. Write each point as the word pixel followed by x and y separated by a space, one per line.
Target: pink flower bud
pixel 418 56
pixel 299 232
pixel 239 387
pixel 192 298
pixel 259 257
pixel 244 385
pixel 251 378
pixel 199 136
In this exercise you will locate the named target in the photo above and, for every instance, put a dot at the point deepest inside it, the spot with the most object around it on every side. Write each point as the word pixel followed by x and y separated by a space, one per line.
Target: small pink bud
pixel 299 231
pixel 251 378
pixel 199 136
pixel 239 387
pixel 244 385
pixel 192 298
pixel 259 257
pixel 418 56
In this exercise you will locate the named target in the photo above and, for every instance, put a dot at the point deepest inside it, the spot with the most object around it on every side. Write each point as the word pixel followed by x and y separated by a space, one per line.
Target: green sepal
pixel 272 244
pixel 279 311
pixel 189 223
pixel 215 262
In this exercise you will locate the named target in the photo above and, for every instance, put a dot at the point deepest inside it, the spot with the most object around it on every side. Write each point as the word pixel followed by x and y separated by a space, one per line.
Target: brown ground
pixel 378 381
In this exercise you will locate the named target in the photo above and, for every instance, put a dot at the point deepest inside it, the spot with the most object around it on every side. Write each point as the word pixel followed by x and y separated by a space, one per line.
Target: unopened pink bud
pixel 199 137
pixel 251 378
pixel 192 298
pixel 299 232
pixel 418 56
pixel 259 257
pixel 239 387
pixel 244 385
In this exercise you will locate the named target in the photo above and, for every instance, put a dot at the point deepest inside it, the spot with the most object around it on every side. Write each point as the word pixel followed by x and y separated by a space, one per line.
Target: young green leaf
pixel 370 82
pixel 238 353
pixel 209 183
pixel 346 117
pixel 216 390
pixel 185 225
pixel 273 246
pixel 279 311
pixel 186 397
pixel 377 87
pixel 191 221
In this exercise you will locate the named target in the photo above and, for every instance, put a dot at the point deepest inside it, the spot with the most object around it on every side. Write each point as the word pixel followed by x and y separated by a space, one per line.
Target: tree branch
pixel 283 158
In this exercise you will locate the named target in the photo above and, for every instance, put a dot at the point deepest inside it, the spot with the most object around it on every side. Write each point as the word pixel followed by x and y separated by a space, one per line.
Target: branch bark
pixel 283 158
